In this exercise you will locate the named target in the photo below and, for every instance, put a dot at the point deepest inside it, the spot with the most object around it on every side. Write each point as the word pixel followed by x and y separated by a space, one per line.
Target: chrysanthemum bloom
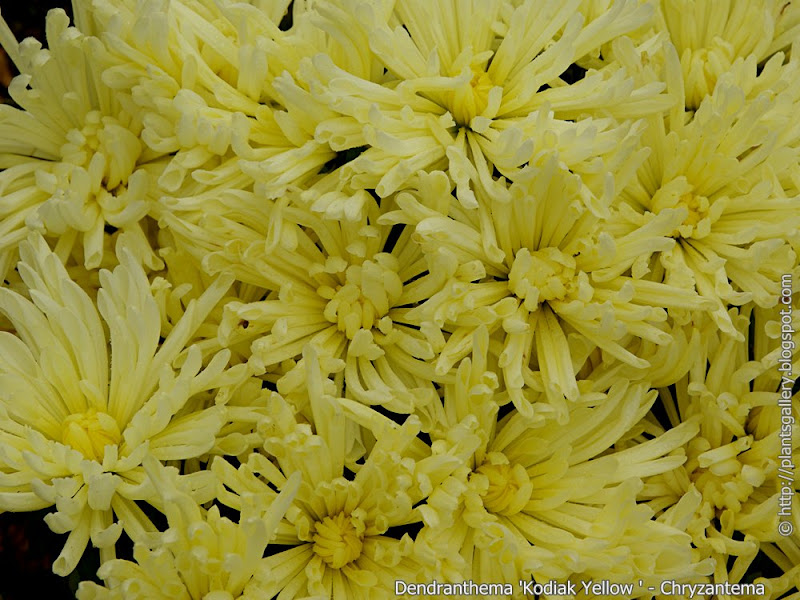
pixel 201 555
pixel 78 415
pixel 349 498
pixel 726 170
pixel 73 159
pixel 730 480
pixel 710 35
pixel 471 89
pixel 545 276
pixel 547 500
pixel 215 82
pixel 731 168
pixel 344 286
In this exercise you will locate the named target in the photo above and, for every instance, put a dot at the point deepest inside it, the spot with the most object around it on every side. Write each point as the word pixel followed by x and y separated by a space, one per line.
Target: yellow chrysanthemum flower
pixel 201 555
pixel 77 415
pixel 348 500
pixel 544 274
pixel 466 90
pixel 727 170
pixel 73 161
pixel 344 286
pixel 710 35
pixel 727 487
pixel 535 498
pixel 217 89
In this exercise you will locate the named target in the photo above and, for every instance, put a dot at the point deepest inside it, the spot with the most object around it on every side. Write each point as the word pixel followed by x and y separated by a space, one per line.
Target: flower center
pixel 90 432
pixel 106 149
pixel 541 275
pixel 368 292
pixel 471 99
pixel 509 487
pixel 95 182
pixel 726 476
pixel 698 211
pixel 338 540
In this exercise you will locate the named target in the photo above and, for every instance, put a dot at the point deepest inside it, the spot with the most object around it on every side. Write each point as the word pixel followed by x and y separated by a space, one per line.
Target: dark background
pixel 26 18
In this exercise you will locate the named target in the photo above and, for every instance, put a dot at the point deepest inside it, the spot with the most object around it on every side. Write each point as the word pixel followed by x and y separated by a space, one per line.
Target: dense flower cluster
pixel 304 299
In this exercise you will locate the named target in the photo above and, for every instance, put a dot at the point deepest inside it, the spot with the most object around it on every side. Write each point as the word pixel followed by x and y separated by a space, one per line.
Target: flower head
pixel 200 555
pixel 710 36
pixel 524 501
pixel 342 285
pixel 364 291
pixel 74 161
pixel 214 85
pixel 540 270
pixel 77 416
pixel 728 171
pixel 347 502
pixel 726 489
pixel 476 100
